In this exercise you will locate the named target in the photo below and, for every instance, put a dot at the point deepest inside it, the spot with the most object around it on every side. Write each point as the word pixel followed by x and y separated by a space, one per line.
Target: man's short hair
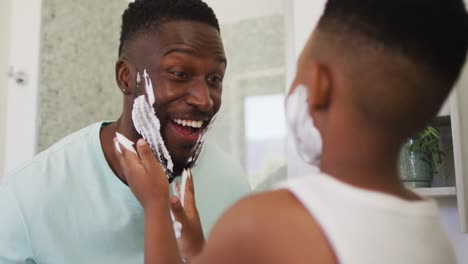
pixel 403 56
pixel 144 15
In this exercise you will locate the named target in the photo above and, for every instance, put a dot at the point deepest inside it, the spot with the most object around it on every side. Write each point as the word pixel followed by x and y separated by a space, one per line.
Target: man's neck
pixel 106 136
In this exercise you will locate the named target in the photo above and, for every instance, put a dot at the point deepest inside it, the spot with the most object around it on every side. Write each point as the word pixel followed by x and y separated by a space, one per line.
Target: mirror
pixel 77 87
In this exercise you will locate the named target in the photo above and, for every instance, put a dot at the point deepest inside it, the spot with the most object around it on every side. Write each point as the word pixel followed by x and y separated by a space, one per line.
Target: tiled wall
pixel 78 54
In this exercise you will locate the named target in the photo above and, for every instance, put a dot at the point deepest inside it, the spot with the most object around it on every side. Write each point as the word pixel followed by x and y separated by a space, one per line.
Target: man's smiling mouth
pixel 187 130
pixel 189 123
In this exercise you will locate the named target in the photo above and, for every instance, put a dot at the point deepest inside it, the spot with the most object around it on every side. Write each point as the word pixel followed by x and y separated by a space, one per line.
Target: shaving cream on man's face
pixel 306 135
pixel 148 126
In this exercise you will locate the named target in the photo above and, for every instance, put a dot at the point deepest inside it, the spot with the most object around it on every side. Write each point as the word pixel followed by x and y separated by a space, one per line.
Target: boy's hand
pixel 148 182
pixel 144 174
pixel 192 240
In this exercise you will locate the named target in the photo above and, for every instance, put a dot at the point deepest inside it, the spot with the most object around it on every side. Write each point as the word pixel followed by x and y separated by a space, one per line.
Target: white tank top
pixel 367 227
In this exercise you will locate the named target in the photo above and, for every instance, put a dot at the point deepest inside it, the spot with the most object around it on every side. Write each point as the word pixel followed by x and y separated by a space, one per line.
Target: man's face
pixel 186 63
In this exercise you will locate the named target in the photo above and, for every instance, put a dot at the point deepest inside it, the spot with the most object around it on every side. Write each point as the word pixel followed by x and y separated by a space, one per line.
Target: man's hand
pixel 192 240
pixel 144 174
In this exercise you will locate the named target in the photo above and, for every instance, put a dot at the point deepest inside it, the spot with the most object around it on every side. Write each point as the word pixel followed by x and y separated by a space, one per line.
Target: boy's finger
pixel 125 142
pixel 178 210
pixel 148 159
pixel 128 159
pixel 119 153
pixel 189 195
pixel 176 189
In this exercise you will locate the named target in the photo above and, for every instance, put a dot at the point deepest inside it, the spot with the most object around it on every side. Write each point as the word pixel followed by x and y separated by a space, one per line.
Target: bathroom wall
pixel 251 126
pixel 21 101
pixel 4 62
pixel 78 54
pixel 255 51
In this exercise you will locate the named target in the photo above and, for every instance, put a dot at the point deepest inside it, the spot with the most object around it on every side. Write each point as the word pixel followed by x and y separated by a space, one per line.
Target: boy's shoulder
pixel 285 231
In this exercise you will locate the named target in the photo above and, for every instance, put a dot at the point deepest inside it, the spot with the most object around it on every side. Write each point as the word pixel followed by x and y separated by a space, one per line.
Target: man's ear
pixel 319 86
pixel 123 76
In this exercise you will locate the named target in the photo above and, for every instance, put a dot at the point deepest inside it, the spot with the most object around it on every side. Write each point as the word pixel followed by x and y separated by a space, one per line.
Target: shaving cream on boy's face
pixel 306 136
pixel 148 126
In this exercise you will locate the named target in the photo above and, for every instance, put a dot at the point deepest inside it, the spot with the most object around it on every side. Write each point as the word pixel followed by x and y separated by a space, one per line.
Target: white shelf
pixel 436 192
pixel 445 110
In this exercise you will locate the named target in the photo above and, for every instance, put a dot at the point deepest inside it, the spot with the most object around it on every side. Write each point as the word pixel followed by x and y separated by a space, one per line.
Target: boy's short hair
pixel 402 56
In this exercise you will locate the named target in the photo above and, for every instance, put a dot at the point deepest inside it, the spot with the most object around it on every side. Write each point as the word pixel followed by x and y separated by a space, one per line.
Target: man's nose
pixel 199 96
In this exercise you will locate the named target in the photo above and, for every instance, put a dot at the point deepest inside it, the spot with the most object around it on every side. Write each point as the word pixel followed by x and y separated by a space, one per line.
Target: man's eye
pixel 181 75
pixel 215 79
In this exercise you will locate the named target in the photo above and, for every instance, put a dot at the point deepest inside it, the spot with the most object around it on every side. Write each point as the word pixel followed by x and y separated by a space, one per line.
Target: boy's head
pixel 388 64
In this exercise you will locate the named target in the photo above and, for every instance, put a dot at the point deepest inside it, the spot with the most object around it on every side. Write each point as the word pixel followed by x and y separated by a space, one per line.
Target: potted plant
pixel 421 158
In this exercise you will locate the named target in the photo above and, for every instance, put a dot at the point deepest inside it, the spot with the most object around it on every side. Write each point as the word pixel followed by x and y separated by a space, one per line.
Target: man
pixel 70 204
pixel 372 74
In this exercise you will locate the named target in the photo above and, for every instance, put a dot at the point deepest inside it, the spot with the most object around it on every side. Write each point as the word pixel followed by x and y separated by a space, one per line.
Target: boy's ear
pixel 319 86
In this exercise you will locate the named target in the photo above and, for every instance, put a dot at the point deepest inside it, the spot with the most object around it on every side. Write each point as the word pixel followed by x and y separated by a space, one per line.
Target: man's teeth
pixel 189 123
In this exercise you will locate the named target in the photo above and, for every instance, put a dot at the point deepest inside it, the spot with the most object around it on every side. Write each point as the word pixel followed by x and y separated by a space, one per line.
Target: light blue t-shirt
pixel 66 205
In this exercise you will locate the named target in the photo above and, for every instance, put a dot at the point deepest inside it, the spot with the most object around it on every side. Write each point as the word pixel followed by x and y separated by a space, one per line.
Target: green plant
pixel 427 142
